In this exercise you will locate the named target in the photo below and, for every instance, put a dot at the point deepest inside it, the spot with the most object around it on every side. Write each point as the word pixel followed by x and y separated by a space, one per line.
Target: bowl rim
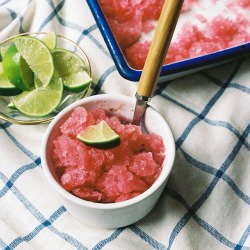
pixel 168 162
pixel 43 119
pixel 168 70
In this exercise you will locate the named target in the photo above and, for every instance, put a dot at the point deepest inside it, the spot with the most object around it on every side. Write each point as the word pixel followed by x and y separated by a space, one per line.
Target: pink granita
pixel 106 175
pixel 188 4
pixel 136 54
pixel 126 33
pixel 130 20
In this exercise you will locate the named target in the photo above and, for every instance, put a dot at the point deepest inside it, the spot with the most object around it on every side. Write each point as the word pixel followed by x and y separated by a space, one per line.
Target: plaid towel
pixel 206 202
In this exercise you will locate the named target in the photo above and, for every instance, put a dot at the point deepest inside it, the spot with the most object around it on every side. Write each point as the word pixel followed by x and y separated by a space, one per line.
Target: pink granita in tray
pixel 106 175
pixel 204 27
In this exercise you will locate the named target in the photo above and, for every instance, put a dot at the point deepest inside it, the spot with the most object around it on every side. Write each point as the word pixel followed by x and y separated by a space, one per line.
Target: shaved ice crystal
pixel 106 175
pixel 130 20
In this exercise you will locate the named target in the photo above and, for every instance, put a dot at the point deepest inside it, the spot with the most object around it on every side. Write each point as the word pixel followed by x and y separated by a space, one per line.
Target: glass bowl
pixel 14 116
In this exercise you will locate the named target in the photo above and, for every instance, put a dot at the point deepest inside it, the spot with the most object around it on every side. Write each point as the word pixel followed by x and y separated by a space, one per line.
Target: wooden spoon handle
pixel 159 46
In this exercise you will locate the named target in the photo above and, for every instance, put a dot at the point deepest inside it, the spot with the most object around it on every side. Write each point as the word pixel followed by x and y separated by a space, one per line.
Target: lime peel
pixel 6 87
pixel 16 69
pixel 72 69
pixel 99 136
pixel 38 57
pixel 49 39
pixel 40 101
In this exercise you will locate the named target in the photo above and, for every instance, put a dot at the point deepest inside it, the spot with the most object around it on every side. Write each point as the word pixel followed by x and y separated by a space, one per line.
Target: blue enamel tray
pixel 169 71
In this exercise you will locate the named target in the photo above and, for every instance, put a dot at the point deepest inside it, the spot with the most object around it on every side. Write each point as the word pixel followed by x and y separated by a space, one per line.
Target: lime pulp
pixel 72 69
pixel 40 101
pixel 38 57
pixel 99 136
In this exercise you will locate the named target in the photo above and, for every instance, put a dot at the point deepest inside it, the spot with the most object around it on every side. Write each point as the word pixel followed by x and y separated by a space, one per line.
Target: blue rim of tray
pixel 167 70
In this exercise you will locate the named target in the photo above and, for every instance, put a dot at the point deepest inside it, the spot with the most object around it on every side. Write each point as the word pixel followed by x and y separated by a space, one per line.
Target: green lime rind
pixel 3 49
pixel 16 69
pixel 102 145
pixel 66 62
pixel 11 106
pixel 40 101
pixel 77 82
pixel 72 69
pixel 39 84
pixel 99 136
pixel 50 39
pixel 6 87
pixel 38 57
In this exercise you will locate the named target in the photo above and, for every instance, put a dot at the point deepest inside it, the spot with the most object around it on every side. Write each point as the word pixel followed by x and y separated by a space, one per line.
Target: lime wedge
pixel 37 83
pixel 72 69
pixel 38 57
pixel 3 50
pixel 6 87
pixel 40 101
pixel 11 106
pixel 99 136
pixel 16 69
pixel 77 82
pixel 50 40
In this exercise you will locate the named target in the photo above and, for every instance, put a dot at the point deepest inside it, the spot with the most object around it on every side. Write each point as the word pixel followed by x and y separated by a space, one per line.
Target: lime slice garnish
pixel 50 40
pixel 72 69
pixel 6 87
pixel 40 101
pixel 99 136
pixel 37 56
pixel 16 69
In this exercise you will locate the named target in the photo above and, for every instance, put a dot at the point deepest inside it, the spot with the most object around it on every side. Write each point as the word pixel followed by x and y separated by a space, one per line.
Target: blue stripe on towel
pixel 20 146
pixel 239 87
pixel 12 13
pixel 184 220
pixel 21 29
pixel 71 25
pixel 5 2
pixel 243 239
pixel 16 175
pixel 213 171
pixel 3 245
pixel 210 229
pixel 223 124
pixel 38 215
pixel 207 108
pixel 152 242
pixel 113 236
pixel 85 32
pixel 5 125
pixel 52 14
pixel 98 86
pixel 22 198
pixel 21 18
pixel 231 85
pixel 31 235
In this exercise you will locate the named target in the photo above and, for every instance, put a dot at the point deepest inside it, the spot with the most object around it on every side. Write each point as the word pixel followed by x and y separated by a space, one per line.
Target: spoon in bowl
pixel 156 56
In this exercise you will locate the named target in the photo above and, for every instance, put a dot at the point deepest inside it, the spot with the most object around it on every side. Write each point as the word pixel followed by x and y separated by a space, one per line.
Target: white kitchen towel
pixel 205 204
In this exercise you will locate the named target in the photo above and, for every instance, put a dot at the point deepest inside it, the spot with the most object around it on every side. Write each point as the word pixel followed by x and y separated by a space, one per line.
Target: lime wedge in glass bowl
pixel 19 106
pixel 41 101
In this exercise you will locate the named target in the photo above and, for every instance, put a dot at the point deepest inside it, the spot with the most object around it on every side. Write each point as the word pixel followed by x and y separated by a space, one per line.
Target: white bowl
pixel 111 215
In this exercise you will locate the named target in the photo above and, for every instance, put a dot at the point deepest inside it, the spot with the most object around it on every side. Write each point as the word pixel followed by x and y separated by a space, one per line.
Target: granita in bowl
pixel 113 181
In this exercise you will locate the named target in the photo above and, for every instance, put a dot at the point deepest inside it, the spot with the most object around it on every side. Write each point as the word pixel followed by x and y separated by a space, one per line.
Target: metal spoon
pixel 156 55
